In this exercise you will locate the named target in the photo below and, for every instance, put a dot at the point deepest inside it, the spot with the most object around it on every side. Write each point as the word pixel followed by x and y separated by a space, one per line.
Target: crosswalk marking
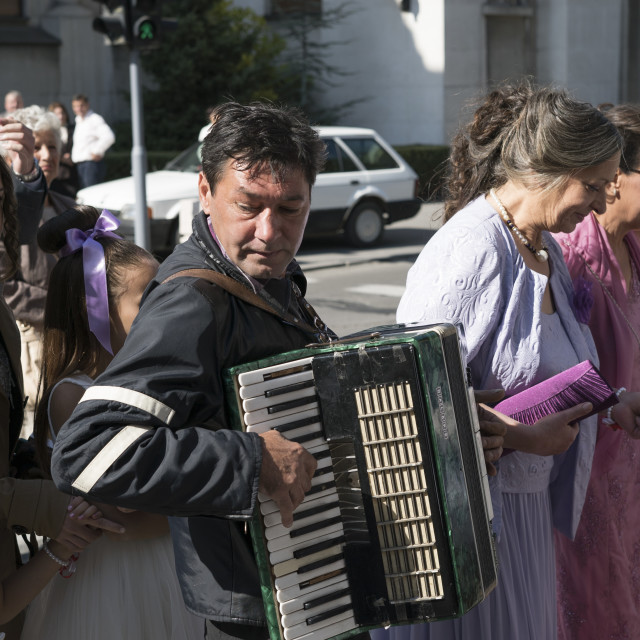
pixel 390 290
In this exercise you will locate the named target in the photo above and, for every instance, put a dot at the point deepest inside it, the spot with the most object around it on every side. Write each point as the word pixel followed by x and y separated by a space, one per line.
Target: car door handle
pixel 355 182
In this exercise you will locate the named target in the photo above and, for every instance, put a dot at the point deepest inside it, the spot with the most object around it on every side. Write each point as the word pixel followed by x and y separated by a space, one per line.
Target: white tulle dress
pixel 122 590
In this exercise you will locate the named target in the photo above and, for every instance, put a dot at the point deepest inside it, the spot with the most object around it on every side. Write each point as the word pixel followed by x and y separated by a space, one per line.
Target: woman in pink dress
pixel 598 573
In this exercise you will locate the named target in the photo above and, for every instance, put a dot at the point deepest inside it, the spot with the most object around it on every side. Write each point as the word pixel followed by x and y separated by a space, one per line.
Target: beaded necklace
pixel 542 255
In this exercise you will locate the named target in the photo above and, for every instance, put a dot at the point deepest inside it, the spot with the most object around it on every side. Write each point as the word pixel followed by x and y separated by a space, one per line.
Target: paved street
pixel 353 289
pixel 404 238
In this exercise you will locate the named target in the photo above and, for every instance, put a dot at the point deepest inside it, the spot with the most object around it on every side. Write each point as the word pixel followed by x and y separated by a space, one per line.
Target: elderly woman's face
pixel 584 192
pixel 47 154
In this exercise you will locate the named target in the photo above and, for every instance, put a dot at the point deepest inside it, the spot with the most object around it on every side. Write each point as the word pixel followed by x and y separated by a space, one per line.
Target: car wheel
pixel 365 225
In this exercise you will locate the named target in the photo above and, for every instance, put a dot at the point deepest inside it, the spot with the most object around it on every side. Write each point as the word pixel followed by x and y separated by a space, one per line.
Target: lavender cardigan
pixel 472 275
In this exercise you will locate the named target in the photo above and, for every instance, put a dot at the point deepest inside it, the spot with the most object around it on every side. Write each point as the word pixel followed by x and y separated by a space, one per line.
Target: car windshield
pixel 189 160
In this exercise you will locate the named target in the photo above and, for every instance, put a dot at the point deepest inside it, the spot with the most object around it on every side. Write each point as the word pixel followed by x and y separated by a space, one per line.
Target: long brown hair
pixel 68 344
pixel 538 137
pixel 9 223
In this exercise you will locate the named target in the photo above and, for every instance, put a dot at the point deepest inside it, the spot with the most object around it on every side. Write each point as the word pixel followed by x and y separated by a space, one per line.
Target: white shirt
pixel 92 136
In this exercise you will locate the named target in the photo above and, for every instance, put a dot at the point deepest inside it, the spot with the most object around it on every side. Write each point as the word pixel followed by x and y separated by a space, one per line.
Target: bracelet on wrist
pixel 67 567
pixel 28 177
pixel 609 420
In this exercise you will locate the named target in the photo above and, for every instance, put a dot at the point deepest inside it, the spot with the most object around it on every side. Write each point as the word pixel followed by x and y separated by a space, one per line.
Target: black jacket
pixel 184 461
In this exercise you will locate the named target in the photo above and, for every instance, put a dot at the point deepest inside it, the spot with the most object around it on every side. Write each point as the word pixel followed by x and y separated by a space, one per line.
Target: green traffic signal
pixel 147 30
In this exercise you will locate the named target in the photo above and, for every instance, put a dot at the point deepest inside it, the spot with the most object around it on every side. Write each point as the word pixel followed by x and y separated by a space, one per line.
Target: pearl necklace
pixel 541 255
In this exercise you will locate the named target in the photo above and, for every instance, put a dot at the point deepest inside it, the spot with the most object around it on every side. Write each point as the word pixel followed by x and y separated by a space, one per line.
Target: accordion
pixel 396 528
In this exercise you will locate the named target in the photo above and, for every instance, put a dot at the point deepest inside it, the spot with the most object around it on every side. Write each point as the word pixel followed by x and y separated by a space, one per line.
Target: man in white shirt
pixel 92 137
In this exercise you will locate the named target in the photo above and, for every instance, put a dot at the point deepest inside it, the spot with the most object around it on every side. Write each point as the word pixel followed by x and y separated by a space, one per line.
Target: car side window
pixel 370 153
pixel 337 160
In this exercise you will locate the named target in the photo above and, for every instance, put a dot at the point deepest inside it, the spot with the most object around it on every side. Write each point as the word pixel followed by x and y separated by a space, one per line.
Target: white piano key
pixel 274 518
pixel 322 630
pixel 291 566
pixel 251 405
pixel 269 506
pixel 299 617
pixel 298 603
pixel 259 375
pixel 282 555
pixel 286 541
pixel 291 579
pixel 263 414
pixel 261 427
pixel 260 388
pixel 333 572
pixel 279 530
pixel 332 630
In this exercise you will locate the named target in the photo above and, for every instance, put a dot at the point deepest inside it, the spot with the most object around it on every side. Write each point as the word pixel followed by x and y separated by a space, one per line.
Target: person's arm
pixel 29 182
pixel 23 585
pixel 151 435
pixel 139 525
pixel 26 300
pixel 104 137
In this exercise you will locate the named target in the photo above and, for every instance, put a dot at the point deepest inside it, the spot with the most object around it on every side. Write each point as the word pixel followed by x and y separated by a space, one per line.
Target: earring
pixel 615 192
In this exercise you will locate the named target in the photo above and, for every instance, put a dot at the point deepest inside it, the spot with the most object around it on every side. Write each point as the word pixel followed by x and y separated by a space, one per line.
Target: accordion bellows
pixel 581 383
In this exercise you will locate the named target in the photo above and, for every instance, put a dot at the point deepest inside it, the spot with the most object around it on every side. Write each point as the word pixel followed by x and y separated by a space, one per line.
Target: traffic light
pixel 137 23
pixel 146 23
pixel 113 24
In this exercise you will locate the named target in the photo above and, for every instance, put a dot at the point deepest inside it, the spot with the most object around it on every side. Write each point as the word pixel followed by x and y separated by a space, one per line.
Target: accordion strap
pixel 238 290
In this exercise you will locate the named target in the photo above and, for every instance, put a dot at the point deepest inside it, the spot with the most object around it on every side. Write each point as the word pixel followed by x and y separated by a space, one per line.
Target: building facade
pixel 412 66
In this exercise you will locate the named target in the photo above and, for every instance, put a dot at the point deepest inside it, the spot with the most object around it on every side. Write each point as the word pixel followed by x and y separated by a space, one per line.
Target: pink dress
pixel 598 573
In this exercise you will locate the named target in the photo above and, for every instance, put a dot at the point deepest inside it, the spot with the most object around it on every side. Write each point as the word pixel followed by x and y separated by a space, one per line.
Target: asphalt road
pixel 401 239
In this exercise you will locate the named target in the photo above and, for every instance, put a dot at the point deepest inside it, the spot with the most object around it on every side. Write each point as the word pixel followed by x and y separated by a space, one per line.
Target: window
pixel 337 160
pixel 370 153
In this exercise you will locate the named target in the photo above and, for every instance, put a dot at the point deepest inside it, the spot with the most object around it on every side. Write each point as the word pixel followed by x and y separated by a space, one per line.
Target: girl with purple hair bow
pixel 126 587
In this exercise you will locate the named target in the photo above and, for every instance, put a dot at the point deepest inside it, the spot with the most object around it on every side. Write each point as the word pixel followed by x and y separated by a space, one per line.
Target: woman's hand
pixel 83 524
pixel 550 435
pixel 492 428
pixel 627 413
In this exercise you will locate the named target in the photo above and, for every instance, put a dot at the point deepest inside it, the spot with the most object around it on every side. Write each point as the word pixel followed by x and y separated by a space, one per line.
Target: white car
pixel 364 186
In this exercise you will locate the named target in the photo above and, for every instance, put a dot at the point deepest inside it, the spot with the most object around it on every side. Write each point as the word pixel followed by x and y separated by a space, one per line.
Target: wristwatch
pixel 28 177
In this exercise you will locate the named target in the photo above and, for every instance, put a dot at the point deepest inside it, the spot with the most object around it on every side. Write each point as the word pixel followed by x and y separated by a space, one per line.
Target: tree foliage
pixel 217 52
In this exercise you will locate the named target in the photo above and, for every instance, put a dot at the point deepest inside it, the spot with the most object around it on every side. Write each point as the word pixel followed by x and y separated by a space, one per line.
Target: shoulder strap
pixel 228 284
pixel 238 290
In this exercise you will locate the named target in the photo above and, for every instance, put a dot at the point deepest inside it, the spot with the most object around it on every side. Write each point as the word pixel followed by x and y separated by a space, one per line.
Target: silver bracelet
pixel 54 557
pixel 609 420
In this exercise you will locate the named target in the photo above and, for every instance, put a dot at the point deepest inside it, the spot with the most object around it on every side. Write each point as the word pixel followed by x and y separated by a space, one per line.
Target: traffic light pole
pixel 138 154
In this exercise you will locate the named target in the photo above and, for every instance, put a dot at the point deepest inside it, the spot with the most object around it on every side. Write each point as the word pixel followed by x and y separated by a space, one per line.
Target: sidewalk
pixel 401 240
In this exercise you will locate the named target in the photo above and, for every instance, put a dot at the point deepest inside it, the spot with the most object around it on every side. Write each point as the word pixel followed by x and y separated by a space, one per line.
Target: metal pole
pixel 138 154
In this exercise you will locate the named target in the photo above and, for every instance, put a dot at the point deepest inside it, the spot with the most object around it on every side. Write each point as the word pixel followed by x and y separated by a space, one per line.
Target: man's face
pixel 11 103
pixel 80 107
pixel 258 221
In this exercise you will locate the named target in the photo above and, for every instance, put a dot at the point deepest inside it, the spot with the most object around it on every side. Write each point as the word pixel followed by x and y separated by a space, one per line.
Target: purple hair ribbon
pixel 95 273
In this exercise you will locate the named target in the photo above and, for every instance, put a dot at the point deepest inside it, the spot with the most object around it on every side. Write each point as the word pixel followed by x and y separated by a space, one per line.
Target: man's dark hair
pixel 80 97
pixel 261 136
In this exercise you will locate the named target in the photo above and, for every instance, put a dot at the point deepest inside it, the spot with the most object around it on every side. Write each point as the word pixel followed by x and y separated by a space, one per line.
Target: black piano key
pixel 324 453
pixel 321 487
pixel 305 584
pixel 305 513
pixel 320 563
pixel 292 404
pixel 306 437
pixel 319 546
pixel 296 424
pixel 329 614
pixel 289 388
pixel 315 527
pixel 329 597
